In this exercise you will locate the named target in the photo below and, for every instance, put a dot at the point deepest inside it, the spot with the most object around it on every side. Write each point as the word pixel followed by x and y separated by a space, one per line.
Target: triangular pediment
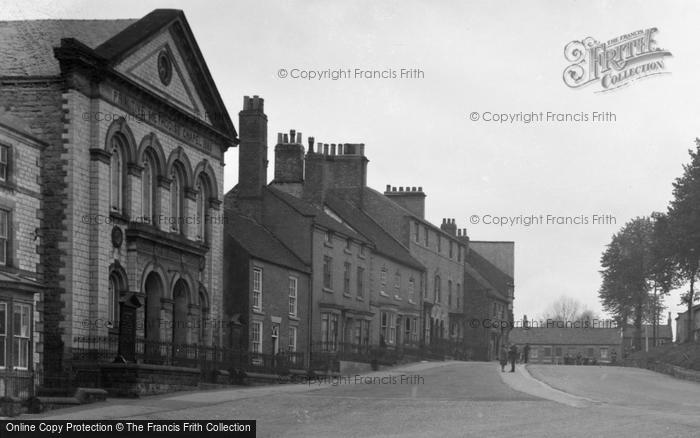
pixel 160 54
pixel 160 67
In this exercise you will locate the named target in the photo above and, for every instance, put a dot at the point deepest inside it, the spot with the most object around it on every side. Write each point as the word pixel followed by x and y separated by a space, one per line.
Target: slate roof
pixel 384 243
pixel 319 217
pixel 260 243
pixel 26 47
pixel 378 196
pixel 478 280
pixel 663 331
pixel 497 278
pixel 138 31
pixel 565 336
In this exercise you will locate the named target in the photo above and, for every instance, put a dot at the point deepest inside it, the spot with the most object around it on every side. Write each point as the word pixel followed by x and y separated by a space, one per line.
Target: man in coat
pixel 513 356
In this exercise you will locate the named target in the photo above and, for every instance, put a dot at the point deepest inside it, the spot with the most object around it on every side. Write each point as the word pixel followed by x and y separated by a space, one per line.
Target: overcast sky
pixel 496 56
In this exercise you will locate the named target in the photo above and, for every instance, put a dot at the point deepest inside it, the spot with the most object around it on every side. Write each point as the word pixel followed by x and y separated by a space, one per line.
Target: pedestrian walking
pixel 503 358
pixel 513 356
pixel 526 353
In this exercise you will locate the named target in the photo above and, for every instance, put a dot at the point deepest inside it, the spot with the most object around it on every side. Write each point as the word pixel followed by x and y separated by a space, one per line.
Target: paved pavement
pixel 441 399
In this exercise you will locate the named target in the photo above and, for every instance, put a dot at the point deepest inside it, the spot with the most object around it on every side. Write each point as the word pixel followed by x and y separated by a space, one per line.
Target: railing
pixel 19 384
pixel 207 358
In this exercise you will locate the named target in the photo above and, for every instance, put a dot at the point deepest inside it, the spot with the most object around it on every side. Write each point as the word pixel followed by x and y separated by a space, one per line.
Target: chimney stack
pixel 289 162
pixel 449 226
pixel 410 198
pixel 252 150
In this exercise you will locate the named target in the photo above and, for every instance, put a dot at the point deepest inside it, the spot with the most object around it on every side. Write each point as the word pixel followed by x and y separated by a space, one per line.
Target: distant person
pixel 503 358
pixel 526 353
pixel 513 356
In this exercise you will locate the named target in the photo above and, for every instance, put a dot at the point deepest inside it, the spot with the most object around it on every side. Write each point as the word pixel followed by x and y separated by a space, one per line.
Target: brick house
pixel 401 213
pixel 131 182
pixel 21 285
pixel 553 344
pixel 394 280
pixel 489 296
pixel 267 290
pixel 338 307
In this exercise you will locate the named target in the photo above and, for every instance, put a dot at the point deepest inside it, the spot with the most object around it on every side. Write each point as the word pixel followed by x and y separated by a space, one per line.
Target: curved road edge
pixel 521 380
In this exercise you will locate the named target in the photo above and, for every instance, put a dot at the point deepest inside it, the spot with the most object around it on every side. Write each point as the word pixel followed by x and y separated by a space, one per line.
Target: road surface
pixel 441 399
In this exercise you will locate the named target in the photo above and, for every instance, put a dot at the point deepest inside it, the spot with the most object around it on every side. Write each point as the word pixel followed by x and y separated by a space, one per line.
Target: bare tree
pixel 566 308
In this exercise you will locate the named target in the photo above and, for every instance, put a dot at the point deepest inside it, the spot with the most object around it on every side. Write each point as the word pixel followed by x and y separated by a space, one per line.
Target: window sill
pixel 258 311
pixel 398 298
pixel 359 298
pixel 384 294
pixel 330 291
pixel 347 251
pixel 328 245
pixel 346 295
pixel 294 318
pixel 8 185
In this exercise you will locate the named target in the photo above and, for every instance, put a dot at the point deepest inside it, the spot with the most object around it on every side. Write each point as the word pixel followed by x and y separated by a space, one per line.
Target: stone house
pixel 131 180
pixel 21 280
pixel 553 344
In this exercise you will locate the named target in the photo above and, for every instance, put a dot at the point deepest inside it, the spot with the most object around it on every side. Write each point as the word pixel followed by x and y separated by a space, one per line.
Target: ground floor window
pixel 547 351
pixel 533 353
pixel 604 353
pixel 292 347
pixel 329 331
pixel 557 351
pixel 388 332
pixel 3 333
pixel 15 335
pixel 256 336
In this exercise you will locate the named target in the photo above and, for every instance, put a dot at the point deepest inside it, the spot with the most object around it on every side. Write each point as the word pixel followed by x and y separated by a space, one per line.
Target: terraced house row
pixel 347 272
pixel 124 266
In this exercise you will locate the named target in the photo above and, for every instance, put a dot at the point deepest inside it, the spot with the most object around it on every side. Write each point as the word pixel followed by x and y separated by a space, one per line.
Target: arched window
pixel 113 300
pixel 147 190
pixel 202 201
pixel 437 288
pixel 203 318
pixel 176 200
pixel 117 169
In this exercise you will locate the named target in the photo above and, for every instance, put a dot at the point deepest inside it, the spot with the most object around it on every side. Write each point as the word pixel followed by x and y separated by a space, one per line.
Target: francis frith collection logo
pixel 615 63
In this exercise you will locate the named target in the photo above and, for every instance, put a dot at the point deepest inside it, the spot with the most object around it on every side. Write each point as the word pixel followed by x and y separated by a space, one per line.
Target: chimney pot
pixel 298 137
pixel 292 135
pixel 388 187
pixel 420 189
pixel 285 139
pixel 325 148
pixel 332 148
pixel 279 138
pixel 393 189
pixel 311 144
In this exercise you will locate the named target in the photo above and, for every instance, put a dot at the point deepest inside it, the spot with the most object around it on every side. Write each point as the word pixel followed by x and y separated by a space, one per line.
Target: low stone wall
pixel 665 368
pixel 133 379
